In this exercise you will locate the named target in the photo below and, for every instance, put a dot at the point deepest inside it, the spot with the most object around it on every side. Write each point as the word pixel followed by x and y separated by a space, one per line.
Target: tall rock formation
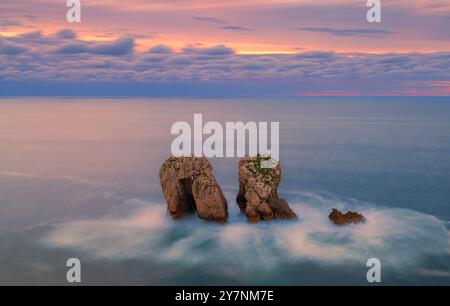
pixel 258 191
pixel 189 186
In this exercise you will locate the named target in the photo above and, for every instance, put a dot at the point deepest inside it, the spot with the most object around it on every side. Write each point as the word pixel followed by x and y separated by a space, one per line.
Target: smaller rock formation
pixel 258 191
pixel 350 217
pixel 189 186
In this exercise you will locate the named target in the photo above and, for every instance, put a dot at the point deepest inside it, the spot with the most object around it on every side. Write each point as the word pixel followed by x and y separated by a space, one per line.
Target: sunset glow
pixel 244 31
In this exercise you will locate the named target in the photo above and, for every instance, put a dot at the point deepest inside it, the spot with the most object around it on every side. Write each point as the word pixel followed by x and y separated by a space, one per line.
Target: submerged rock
pixel 189 186
pixel 350 217
pixel 258 191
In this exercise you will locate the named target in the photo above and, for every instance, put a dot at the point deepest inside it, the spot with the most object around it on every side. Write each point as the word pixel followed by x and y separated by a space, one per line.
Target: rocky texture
pixel 258 191
pixel 350 217
pixel 189 186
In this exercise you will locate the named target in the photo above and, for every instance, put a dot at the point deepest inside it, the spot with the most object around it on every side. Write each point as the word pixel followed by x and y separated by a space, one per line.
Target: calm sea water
pixel 79 178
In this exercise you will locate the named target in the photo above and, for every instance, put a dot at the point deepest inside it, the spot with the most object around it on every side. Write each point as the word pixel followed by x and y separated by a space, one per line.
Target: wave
pixel 400 238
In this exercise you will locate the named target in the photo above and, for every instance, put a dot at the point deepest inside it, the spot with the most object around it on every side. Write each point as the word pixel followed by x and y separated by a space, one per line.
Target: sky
pixel 225 48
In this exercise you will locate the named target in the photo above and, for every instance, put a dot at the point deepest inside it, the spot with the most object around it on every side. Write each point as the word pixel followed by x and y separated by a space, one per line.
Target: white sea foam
pixel 400 238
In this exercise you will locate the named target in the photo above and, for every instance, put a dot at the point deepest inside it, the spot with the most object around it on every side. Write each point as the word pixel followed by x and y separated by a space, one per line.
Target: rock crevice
pixel 258 191
pixel 189 186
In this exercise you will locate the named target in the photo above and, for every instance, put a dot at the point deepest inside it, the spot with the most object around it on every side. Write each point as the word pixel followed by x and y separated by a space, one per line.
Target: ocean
pixel 79 179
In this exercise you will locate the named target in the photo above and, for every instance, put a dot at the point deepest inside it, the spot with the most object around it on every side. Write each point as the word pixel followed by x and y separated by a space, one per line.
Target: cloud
pixel 66 34
pixel 372 33
pixel 8 48
pixel 121 46
pixel 73 48
pixel 236 28
pixel 225 24
pixel 317 55
pixel 219 50
pixel 420 27
pixel 210 19
pixel 182 60
pixel 9 23
pixel 38 57
pixel 211 53
pixel 118 47
pixel 32 35
pixel 37 38
pixel 160 49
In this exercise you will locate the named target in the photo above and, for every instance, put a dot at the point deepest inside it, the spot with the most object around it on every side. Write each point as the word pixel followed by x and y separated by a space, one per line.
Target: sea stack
pixel 258 191
pixel 350 217
pixel 189 186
